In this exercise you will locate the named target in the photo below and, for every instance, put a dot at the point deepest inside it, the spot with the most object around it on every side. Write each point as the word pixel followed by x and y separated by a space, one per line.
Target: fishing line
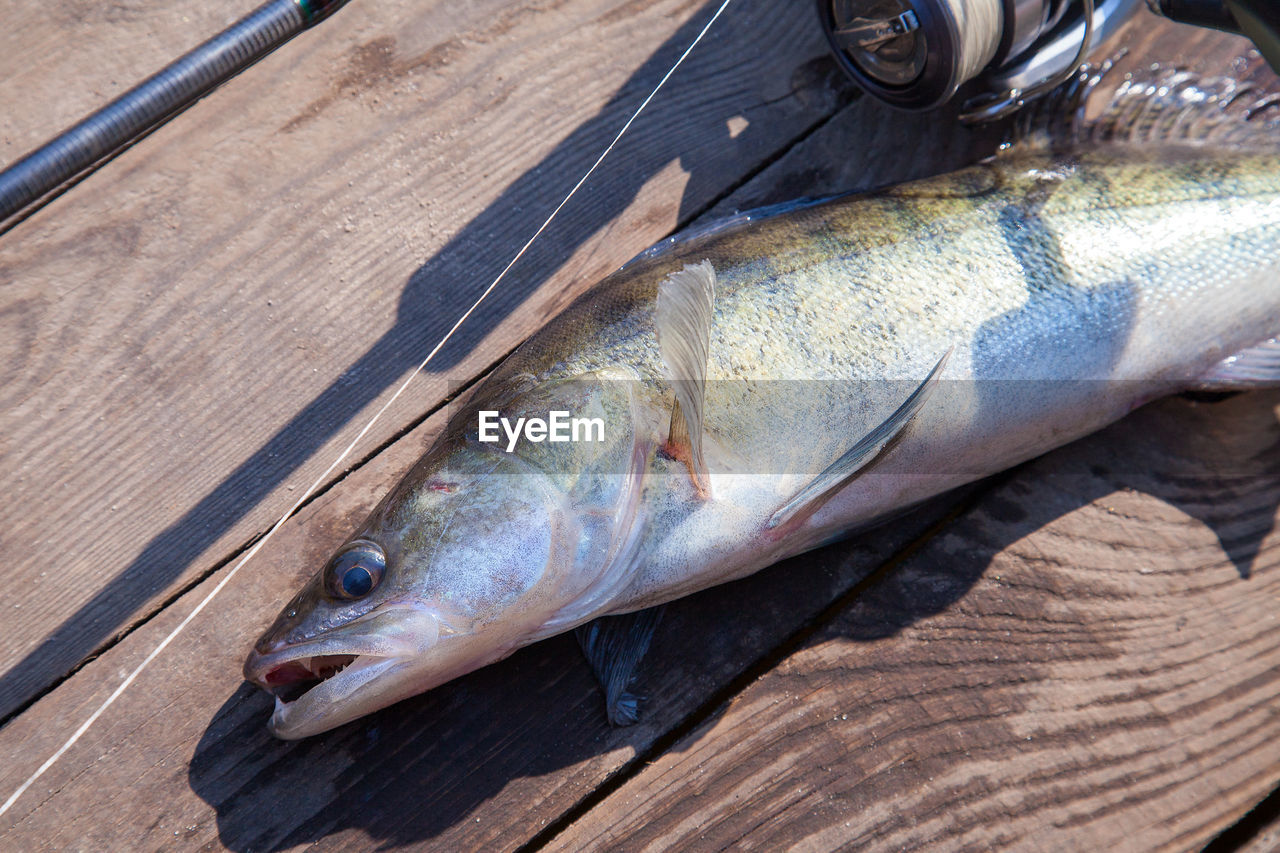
pixel 84 727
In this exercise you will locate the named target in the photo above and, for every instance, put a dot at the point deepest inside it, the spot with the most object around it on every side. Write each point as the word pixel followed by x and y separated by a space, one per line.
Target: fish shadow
pixel 466 764
pixel 434 295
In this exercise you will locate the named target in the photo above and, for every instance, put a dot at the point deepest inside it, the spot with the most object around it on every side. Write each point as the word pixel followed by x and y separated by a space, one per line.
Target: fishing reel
pixel 915 54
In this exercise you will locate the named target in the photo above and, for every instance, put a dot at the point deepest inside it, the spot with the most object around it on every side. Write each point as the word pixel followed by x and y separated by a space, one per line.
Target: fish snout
pixel 268 643
pixel 288 628
pixel 284 654
pixel 258 665
pixel 266 652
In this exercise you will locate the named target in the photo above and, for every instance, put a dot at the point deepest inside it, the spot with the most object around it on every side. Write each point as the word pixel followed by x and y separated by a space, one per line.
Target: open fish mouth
pixel 322 683
pixel 288 681
pixel 309 689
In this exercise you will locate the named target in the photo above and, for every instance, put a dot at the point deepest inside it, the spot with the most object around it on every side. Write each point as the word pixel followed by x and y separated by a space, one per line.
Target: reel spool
pixel 915 54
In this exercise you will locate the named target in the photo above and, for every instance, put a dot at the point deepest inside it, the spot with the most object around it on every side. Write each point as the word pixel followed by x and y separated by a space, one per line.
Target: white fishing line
pixel 115 694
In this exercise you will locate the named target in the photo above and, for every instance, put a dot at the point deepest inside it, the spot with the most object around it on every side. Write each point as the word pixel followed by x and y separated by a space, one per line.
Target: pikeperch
pixel 752 391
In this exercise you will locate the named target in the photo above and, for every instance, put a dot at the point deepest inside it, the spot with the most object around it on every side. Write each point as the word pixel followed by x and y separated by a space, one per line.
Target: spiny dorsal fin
pixel 1156 106
pixel 838 474
pixel 686 302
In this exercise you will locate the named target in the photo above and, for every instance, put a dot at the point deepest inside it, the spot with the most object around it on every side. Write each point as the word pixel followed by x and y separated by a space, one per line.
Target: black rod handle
pixel 148 104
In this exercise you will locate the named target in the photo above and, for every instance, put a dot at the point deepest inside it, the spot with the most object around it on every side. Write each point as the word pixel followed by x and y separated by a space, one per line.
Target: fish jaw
pixel 369 664
pixel 541 554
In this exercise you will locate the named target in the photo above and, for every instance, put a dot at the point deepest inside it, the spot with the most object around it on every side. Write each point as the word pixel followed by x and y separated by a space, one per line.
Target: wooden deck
pixel 1081 654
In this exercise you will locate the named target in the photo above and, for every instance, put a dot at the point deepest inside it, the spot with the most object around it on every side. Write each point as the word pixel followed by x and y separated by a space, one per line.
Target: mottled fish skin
pixel 1069 289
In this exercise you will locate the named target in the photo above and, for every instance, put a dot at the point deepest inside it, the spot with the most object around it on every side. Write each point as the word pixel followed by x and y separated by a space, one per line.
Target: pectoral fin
pixel 614 646
pixel 811 498
pixel 686 303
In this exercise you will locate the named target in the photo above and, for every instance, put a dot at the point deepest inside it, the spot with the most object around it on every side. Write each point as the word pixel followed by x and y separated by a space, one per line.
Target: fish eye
pixel 355 571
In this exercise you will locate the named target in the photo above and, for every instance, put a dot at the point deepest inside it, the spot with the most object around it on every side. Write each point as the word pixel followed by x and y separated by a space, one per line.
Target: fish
pixel 758 388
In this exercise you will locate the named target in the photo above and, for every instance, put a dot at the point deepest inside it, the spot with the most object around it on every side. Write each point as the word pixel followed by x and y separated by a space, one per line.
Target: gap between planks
pixel 696 214
pixel 142 557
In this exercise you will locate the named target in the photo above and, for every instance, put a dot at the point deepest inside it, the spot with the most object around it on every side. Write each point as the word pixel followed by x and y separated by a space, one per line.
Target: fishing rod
pixel 913 54
pixel 916 54
pixel 39 175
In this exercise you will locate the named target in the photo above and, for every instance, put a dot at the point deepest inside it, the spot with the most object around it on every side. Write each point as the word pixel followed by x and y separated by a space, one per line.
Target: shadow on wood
pixel 437 293
pixel 1105 682
pixel 419 770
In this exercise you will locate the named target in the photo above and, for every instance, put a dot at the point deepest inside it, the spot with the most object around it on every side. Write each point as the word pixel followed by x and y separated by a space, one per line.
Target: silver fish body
pixel 1068 290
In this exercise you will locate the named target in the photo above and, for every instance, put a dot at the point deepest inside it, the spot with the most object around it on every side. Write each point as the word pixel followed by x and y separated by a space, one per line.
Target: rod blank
pixel 151 102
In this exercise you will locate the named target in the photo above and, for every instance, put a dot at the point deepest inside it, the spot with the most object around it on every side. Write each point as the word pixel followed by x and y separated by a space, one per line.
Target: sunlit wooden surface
pixel 1081 654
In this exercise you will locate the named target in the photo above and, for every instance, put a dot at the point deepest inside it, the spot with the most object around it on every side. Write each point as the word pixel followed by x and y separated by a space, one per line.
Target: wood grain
pixel 1088 660
pixel 194 332
pixel 63 59
pixel 483 763
pixel 459 767
pixel 515 733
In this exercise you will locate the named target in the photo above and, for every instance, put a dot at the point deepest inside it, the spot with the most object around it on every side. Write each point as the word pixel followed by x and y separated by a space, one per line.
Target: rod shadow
pixel 690 107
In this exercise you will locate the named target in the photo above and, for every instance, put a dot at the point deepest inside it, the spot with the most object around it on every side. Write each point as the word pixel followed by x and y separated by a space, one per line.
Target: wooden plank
pixel 195 331
pixel 1089 660
pixel 484 762
pixel 62 61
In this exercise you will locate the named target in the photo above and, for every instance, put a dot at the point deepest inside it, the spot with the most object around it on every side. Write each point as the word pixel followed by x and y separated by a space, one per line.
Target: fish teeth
pixel 325 667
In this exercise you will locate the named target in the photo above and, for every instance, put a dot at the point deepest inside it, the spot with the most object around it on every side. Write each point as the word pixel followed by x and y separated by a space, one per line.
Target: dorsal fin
pixel 686 303
pixel 1156 106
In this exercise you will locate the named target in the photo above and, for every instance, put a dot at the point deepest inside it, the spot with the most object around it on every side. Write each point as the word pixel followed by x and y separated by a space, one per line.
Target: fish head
pixel 472 556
